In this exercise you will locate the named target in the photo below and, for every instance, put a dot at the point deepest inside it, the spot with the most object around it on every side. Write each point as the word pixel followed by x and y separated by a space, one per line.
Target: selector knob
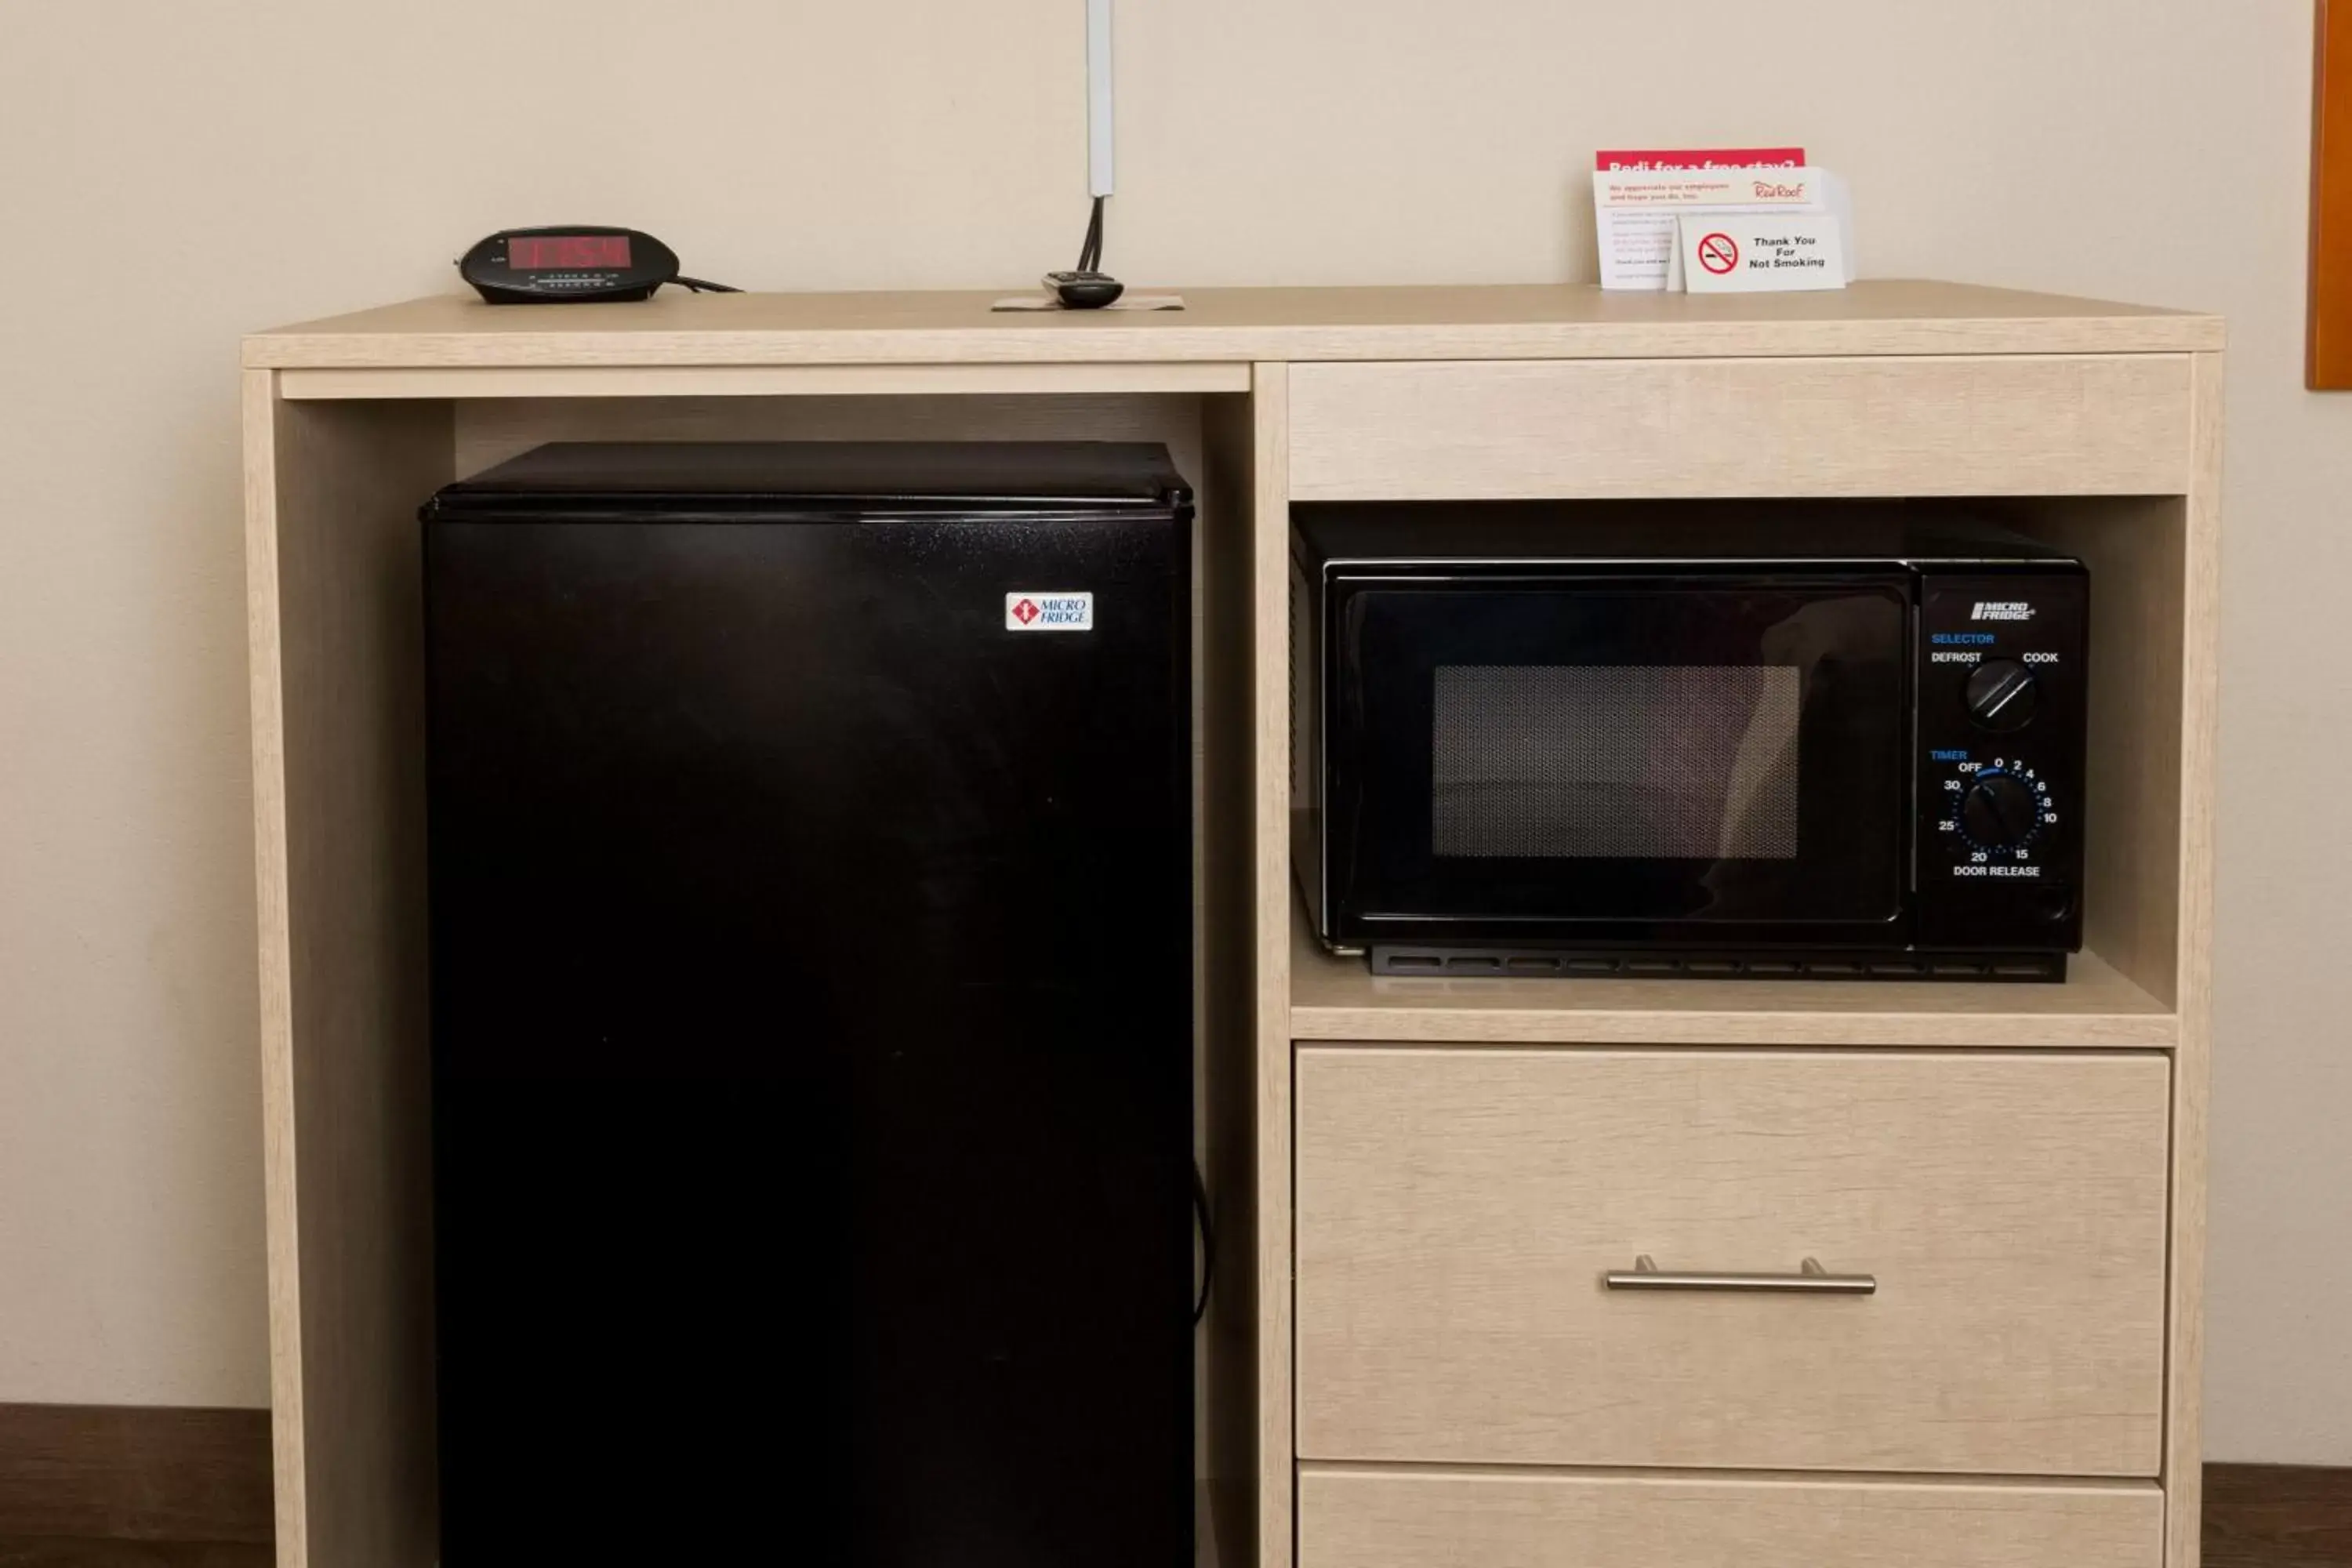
pixel 2000 812
pixel 2001 694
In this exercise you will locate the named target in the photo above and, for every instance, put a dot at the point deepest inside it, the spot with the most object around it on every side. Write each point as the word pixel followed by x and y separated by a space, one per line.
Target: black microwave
pixel 1777 740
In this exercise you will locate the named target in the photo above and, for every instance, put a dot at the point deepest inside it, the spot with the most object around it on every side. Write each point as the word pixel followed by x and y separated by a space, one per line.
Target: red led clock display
pixel 568 252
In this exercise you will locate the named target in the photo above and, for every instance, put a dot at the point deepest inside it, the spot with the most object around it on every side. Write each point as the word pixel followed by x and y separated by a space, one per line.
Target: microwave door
pixel 1621 758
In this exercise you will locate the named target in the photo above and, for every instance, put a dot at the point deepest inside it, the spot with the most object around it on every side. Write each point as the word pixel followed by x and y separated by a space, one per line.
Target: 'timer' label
pixel 1035 610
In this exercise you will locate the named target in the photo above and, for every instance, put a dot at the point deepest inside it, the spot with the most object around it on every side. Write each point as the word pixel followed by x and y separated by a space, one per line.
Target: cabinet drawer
pixel 1457 1211
pixel 1372 1519
pixel 2014 425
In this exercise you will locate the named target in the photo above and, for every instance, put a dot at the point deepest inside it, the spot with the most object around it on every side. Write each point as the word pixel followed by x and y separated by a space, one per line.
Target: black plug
pixel 1087 286
pixel 1087 290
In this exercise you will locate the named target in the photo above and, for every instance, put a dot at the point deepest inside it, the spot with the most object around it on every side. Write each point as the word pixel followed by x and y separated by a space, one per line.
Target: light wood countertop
pixel 1229 325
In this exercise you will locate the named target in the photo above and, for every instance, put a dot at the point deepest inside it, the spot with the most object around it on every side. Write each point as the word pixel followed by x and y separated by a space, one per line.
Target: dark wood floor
pixel 61 1552
pixel 2277 1516
pixel 132 1487
pixel 2255 1516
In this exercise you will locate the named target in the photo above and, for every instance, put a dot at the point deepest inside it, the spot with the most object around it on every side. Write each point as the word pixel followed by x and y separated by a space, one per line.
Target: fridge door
pixel 811 1035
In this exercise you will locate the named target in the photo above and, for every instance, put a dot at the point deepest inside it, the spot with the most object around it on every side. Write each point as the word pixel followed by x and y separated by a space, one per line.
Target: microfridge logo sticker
pixel 1034 610
pixel 2002 610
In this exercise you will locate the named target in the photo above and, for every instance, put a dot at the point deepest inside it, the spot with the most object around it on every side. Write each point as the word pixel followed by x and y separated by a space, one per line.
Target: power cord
pixel 1087 286
pixel 1208 1244
pixel 1090 252
pixel 704 286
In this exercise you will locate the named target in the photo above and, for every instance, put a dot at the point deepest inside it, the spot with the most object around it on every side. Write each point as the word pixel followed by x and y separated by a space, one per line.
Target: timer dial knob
pixel 1999 811
pixel 2001 694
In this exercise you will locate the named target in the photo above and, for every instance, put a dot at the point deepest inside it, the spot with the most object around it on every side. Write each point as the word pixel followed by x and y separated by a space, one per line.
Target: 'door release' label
pixel 1035 610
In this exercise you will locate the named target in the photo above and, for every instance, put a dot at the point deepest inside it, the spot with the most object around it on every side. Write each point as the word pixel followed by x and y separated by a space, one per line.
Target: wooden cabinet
pixel 1990 425
pixel 1357 1519
pixel 1447 1168
pixel 1409 1359
pixel 1459 1209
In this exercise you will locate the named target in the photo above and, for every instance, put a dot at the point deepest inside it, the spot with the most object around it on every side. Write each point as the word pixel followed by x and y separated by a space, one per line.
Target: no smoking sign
pixel 1765 252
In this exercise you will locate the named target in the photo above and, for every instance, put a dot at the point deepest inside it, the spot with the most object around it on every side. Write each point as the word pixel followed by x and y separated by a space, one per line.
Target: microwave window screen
pixel 1589 761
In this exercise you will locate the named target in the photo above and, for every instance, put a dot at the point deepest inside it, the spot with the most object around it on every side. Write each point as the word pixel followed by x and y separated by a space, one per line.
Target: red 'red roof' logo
pixel 1026 611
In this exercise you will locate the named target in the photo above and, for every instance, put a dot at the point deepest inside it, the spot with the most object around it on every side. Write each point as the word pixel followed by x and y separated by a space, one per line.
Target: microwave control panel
pixel 2002 707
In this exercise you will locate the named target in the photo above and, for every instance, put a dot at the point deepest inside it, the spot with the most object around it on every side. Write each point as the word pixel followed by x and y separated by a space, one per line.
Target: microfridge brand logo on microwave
pixel 1035 610
pixel 2002 610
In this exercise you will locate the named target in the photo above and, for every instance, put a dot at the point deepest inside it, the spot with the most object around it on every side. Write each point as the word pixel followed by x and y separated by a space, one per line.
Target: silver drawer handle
pixel 1810 1280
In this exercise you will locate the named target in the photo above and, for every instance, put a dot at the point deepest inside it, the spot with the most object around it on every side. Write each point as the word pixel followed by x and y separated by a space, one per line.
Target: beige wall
pixel 175 173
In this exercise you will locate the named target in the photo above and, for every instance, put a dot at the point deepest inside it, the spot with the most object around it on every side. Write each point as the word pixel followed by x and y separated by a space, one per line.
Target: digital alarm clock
pixel 573 262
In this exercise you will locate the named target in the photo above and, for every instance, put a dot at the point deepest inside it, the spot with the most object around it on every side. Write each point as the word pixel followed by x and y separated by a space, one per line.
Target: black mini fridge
pixel 811 976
